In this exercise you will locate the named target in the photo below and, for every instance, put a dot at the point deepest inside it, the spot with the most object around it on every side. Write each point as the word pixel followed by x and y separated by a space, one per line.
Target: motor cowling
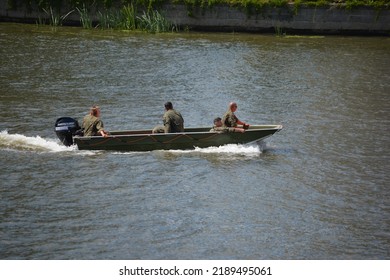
pixel 65 129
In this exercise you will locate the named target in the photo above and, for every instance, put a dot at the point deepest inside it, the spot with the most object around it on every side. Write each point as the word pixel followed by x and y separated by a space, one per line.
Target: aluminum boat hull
pixel 145 140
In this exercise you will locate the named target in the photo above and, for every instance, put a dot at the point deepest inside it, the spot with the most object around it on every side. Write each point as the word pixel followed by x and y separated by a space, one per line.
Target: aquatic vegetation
pixel 85 18
pixel 129 17
pixel 109 19
pixel 55 19
pixel 279 32
pixel 153 21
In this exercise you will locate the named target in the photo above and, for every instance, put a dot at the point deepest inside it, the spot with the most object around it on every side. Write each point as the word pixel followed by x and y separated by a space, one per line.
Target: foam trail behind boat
pixel 246 150
pixel 26 143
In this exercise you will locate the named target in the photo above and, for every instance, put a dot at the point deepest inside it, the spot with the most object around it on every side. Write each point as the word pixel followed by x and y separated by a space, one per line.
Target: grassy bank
pixel 144 14
pixel 126 18
pixel 56 4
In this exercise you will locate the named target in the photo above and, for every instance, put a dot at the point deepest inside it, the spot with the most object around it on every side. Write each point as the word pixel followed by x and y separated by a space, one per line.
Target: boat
pixel 67 128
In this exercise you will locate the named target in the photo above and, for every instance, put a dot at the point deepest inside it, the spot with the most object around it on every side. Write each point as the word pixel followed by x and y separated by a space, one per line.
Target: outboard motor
pixel 65 129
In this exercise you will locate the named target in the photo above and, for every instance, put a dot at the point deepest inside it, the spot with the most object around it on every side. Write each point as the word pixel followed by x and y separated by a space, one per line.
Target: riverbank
pixel 330 19
pixel 287 19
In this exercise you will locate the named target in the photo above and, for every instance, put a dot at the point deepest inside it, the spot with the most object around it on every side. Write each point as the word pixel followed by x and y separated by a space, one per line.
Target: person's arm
pixel 245 125
pixel 100 128
pixel 167 123
pixel 103 133
pixel 234 129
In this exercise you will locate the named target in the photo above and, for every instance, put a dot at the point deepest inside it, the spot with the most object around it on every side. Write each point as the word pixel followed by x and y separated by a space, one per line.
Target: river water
pixel 318 189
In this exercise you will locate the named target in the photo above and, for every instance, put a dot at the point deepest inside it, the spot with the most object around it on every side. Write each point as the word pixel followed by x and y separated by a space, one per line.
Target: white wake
pixel 27 143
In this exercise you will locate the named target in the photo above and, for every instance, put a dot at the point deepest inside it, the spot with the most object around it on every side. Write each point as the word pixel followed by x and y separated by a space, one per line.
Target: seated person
pixel 92 124
pixel 218 127
pixel 230 119
pixel 172 120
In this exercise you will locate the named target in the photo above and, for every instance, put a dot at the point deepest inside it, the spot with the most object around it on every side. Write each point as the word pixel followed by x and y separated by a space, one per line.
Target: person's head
pixel 218 121
pixel 168 106
pixel 233 106
pixel 95 111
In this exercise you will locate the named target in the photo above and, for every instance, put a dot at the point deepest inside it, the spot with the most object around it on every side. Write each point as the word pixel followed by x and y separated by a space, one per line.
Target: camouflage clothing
pixel 92 126
pixel 221 129
pixel 229 119
pixel 173 121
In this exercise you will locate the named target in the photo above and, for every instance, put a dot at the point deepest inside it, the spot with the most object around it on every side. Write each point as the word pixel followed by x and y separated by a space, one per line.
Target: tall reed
pixel 126 18
pixel 54 17
pixel 109 19
pixel 129 17
pixel 153 21
pixel 85 19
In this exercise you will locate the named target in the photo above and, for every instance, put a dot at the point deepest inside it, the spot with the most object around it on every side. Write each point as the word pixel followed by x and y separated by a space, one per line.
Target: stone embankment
pixel 331 19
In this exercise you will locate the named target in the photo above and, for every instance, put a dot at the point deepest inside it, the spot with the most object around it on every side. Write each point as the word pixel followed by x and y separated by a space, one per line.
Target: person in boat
pixel 218 127
pixel 172 119
pixel 230 119
pixel 92 124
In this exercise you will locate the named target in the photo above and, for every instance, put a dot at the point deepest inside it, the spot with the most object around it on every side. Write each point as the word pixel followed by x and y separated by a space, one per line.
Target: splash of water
pixel 26 143
pixel 246 150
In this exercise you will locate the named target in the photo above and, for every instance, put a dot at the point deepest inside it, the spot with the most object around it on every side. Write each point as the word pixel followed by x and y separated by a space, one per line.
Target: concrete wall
pixel 330 20
pixel 309 20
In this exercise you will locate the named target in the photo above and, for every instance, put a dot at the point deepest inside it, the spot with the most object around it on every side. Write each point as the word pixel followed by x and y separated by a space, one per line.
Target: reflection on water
pixel 315 190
